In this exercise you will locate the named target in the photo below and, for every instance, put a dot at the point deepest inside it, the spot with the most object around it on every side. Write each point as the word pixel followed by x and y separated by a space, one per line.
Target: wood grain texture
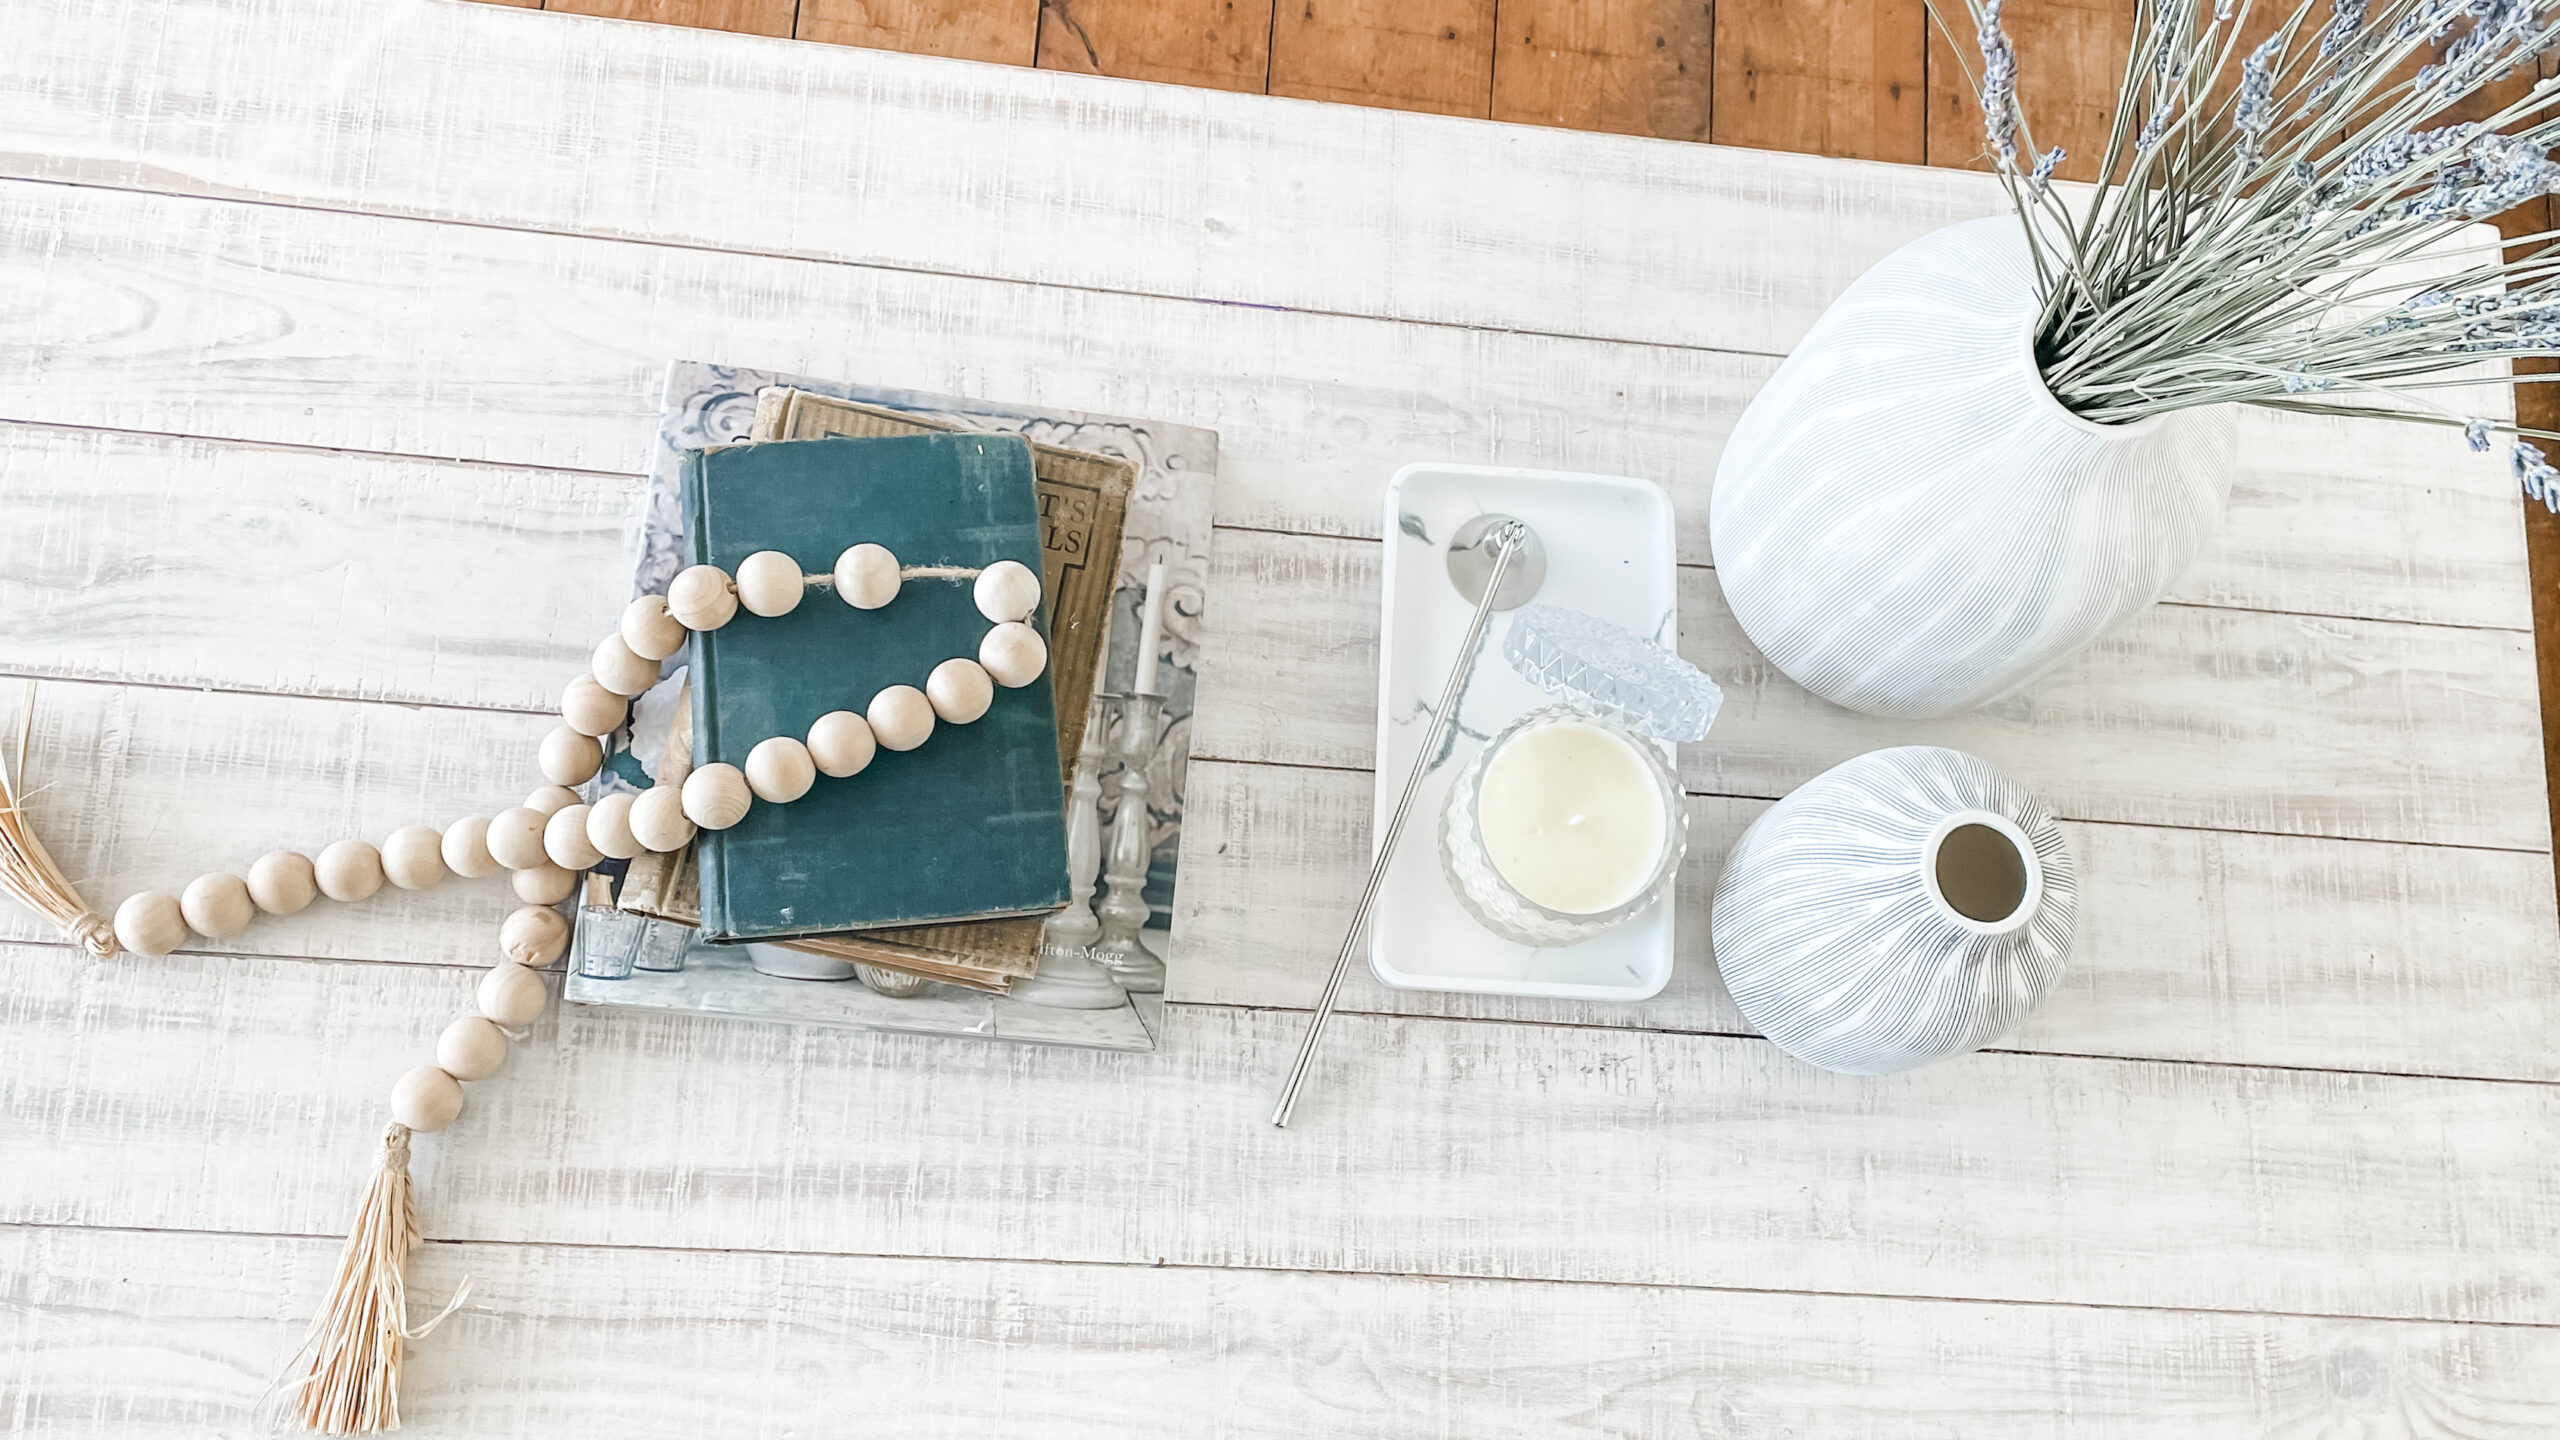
pixel 1830 77
pixel 543 350
pixel 2277 951
pixel 1221 44
pixel 2071 56
pixel 1635 67
pixel 1001 32
pixel 748 17
pixel 1429 55
pixel 222 1093
pixel 2223 719
pixel 138 1337
pixel 1213 196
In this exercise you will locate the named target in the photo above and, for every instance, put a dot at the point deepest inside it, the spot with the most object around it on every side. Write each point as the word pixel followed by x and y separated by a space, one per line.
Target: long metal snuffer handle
pixel 1506 543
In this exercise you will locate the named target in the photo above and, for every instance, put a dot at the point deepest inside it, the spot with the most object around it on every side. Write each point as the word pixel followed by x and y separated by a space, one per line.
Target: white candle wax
pixel 1572 818
pixel 1150 631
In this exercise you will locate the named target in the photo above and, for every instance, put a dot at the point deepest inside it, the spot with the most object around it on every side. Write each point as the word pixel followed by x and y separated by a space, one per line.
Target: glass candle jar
pixel 1564 827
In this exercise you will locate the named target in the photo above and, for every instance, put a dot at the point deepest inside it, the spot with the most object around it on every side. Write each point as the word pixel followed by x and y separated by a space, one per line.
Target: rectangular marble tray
pixel 1609 553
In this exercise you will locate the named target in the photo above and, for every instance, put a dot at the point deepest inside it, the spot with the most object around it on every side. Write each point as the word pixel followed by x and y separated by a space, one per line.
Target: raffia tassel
pixel 345 1380
pixel 27 870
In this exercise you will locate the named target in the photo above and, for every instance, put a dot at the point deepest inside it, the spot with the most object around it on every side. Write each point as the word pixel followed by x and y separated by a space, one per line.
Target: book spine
pixel 710 872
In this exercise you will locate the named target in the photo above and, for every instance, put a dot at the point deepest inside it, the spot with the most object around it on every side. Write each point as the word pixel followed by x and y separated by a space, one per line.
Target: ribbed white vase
pixel 1841 922
pixel 1908 523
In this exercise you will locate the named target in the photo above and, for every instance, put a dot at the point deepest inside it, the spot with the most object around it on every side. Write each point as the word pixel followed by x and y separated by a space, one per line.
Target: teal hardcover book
pixel 967 826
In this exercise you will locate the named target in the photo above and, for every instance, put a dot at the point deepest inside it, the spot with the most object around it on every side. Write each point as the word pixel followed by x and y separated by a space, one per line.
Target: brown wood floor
pixel 1863 78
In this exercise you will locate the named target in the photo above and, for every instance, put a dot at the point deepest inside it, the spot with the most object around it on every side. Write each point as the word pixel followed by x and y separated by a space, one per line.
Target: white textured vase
pixel 1850 923
pixel 1908 523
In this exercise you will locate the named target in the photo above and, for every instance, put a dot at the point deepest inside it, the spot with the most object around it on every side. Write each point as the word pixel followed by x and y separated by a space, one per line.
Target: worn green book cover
pixel 967 826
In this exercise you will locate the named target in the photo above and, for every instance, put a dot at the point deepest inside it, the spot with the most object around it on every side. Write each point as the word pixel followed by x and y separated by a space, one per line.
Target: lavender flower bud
pixel 2477 434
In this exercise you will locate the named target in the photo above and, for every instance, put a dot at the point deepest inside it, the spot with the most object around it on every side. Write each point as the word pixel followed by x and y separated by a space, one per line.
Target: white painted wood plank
pixel 210 1092
pixel 2192 945
pixel 256 567
pixel 729 142
pixel 139 1336
pixel 144 789
pixel 2189 716
pixel 2418 959
pixel 263 323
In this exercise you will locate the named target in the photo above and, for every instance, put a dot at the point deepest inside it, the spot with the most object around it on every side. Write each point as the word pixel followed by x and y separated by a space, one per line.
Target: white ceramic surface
pixel 1906 521
pixel 1609 553
pixel 1832 934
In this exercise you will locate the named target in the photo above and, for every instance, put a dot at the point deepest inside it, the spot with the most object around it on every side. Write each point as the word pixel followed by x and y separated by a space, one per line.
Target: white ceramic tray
pixel 1609 554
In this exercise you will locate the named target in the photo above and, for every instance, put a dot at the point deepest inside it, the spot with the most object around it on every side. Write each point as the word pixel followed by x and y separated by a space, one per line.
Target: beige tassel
pixel 27 871
pixel 346 1378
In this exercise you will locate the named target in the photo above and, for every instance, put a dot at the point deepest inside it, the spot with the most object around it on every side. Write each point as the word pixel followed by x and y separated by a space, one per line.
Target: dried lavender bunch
pixel 2260 242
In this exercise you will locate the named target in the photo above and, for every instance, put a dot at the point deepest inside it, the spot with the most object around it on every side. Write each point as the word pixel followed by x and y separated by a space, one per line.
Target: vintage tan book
pixel 1083 503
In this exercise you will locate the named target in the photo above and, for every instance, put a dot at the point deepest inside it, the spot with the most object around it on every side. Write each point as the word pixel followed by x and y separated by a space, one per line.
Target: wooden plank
pixel 140 1336
pixel 1429 55
pixel 1221 44
pixel 1831 77
pixel 2418 959
pixel 480 114
pixel 1001 32
pixel 2070 64
pixel 144 789
pixel 369 334
pixel 222 1093
pixel 253 567
pixel 2189 716
pixel 747 17
pixel 1635 67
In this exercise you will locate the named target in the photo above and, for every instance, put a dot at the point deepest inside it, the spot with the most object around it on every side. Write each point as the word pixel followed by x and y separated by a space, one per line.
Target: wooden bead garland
pixel 217 905
pixel 553 836
pixel 413 858
pixel 349 870
pixel 283 882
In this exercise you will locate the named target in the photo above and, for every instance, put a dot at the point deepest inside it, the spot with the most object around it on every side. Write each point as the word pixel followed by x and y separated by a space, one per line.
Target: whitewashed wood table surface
pixel 329 338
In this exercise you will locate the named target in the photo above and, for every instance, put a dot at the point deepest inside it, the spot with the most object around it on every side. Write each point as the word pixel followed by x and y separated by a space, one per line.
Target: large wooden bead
pixel 609 826
pixel 959 690
pixel 151 923
pixel 569 758
pixel 349 870
pixel 413 858
pixel 426 1099
pixel 591 709
pixel 769 583
pixel 619 670
pixel 1013 654
pixel 543 884
pixel 512 996
pixel 1007 590
pixel 867 576
pixel 901 718
pixel 716 796
pixel 283 882
pixel 564 839
pixel 534 936
pixel 840 743
pixel 217 905
pixel 702 598
pixel 657 819
pixel 649 630
pixel 471 1048
pixel 549 800
pixel 780 770
pixel 515 837
pixel 466 847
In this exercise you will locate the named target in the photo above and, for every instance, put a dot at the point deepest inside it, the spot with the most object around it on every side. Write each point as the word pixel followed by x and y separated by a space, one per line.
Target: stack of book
pixel 940 863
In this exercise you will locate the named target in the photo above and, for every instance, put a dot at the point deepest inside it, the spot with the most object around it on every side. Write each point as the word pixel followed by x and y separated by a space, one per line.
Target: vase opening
pixel 1983 872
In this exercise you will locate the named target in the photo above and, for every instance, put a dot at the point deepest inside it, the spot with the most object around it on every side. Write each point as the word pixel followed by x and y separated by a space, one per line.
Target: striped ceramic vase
pixel 1906 521
pixel 1906 906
